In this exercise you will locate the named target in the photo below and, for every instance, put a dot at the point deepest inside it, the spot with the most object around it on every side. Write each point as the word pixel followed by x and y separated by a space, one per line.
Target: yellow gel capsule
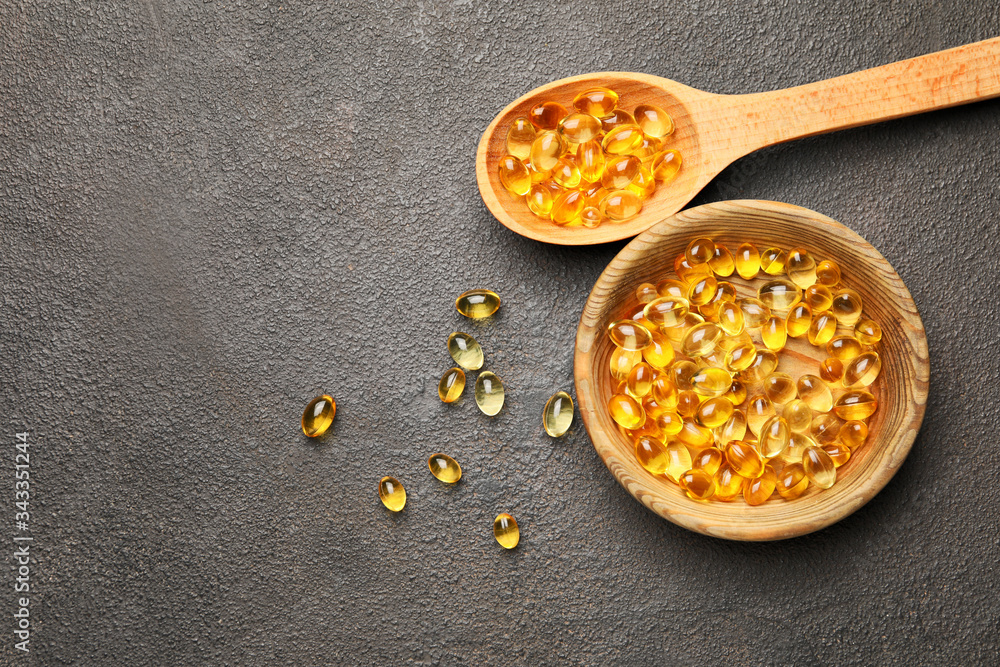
pixel 711 381
pixel 698 484
pixel 650 149
pixel 444 468
pixel 546 116
pixel 819 297
pixel 622 361
pixel 763 365
pixel 827 273
pixel 815 393
pixel 728 483
pixel 645 293
pixel 489 393
pixel 731 318
pixel 620 171
pixel 735 428
pixel 578 128
pixel 591 217
pixel 855 405
pixel 667 166
pixel 779 295
pixel 318 416
pixel 671 287
pixel 700 339
pixel 838 452
pixel 799 320
pixel 780 388
pixel 598 102
pixel 676 333
pixel 542 176
pixel 759 489
pixel 821 329
pixel 709 460
pixel 669 423
pixel 853 433
pixel 392 494
pixel 642 186
pixel 797 444
pixel 651 454
pixel 688 401
pixel 665 392
pixel 629 334
pixel 825 428
pixel 755 313
pixel 792 481
pixel 760 409
pixel 591 160
pixel 722 262
pixel 557 416
pixel 800 267
pixel 818 467
pixel 465 350
pixel 514 175
pixel 640 380
pixel 539 200
pixel 653 120
pixel 546 150
pixel 566 173
pixel 620 205
pixel 505 531
pixel 626 411
pixel 689 272
pixel 744 459
pixel 451 385
pixel 772 261
pixel 831 370
pixel 846 307
pixel 714 412
pixel 616 119
pixel 567 207
pixel 702 290
pixel 741 357
pixel 868 332
pixel 774 437
pixel 737 393
pixel 477 303
pixel 747 261
pixel 798 414
pixel 699 251
pixel 622 139
pixel 844 348
pixel 520 134
pixel 862 370
pixel 695 435
pixel 773 333
pixel 659 353
pixel 678 460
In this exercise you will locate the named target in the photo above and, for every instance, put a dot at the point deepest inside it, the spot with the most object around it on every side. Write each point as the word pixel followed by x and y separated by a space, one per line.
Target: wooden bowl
pixel 901 389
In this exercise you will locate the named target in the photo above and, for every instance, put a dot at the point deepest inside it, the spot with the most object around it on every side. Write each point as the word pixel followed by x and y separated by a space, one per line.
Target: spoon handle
pixel 938 80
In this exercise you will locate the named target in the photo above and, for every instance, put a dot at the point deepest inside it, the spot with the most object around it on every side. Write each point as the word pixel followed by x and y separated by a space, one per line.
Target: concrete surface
pixel 210 212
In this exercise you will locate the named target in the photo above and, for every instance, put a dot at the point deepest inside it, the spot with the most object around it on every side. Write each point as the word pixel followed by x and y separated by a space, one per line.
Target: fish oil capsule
pixel 763 365
pixel 646 292
pixel 714 359
pixel 477 303
pixel 699 251
pixel 831 370
pixel 735 428
pixel 567 207
pixel 755 313
pixel 799 320
pixel 698 484
pixel 622 139
pixel 728 484
pixel 591 217
pixel 741 357
pixel 702 291
pixel 579 128
pixel 651 454
pixel 737 393
pixel 659 353
pixel 622 361
pixel 557 415
pixel 539 200
pixel 780 388
pixel 598 102
pixel 792 481
pixel 731 318
pixel 709 460
pixel 505 531
pixel 653 120
pixel 760 409
pixel 451 385
pixel 489 393
pixel 640 380
pixel 667 311
pixel 844 348
pixel 868 332
pixel 392 494
pixel 652 410
pixel 774 437
pixel 818 467
pixel 669 423
pixel 772 261
pixel 798 415
pixel 678 460
pixel 744 459
pixel 779 295
pixel 671 287
pixel 566 173
pixel 821 329
pixel 695 435
pixel 862 370
pixel 616 119
pixel 642 186
pixel 593 194
pixel 688 401
pixel 620 171
pixel 714 412
pixel 797 444
pixel 546 116
pixel 838 452
pixel 546 150
pixel 520 134
pixel 827 273
pixel 815 393
pixel 318 416
pixel 629 334
pixel 590 159
pixel 825 428
pixel 853 433
pixel 444 468
pixel 818 297
pixel 514 175
pixel 801 267
pixel 677 333
pixel 747 261
pixel 626 411
pixel 689 272
pixel 846 307
pixel 667 166
pixel 620 205
pixel 648 151
pixel 722 262
pixel 700 340
pixel 724 293
pixel 665 392
pixel 855 405
pixel 773 333
pixel 681 372
pixel 465 350
pixel 758 490
pixel 543 176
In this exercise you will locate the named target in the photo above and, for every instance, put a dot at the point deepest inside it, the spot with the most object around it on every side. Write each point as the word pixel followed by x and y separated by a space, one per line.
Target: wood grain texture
pixel 901 388
pixel 714 130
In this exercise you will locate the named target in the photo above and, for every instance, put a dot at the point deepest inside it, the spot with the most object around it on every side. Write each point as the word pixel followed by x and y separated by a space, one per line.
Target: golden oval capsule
pixel 737 393
pixel 755 313
pixel 505 531
pixel 667 166
pixel 722 262
pixel 773 333
pixel 650 149
pixel 566 207
pixel 615 119
pixel 728 483
pixel 800 267
pixel 760 409
pixel 642 186
pixel 629 334
pixel 799 319
pixel 622 361
pixel 735 428
pixel 846 307
pixel 702 290
pixel 444 468
pixel 659 353
pixel 695 435
pixel 711 381
pixel 689 272
pixel 798 415
pixel 821 329
pixel 780 388
pixel 844 348
pixel 853 433
pixel 819 297
pixel 653 120
pixel 838 452
pixel 868 332
pixel 698 484
pixel 546 116
pixel 744 459
pixel 566 173
pixel 676 333
pixel 714 412
pixel 747 261
pixel 827 273
pixel 578 128
pixel 640 380
pixel 665 391
pixel 591 160
pixel 651 454
pixel 759 489
pixel 477 303
pixel 591 217
pixel 465 350
pixel 392 494
pixel 731 318
pixel 667 311
pixel 622 139
pixel 797 444
pixel 779 295
pixel 792 481
pixel 520 134
pixel 318 416
pixel 831 370
pixel 489 393
pixel 598 102
pixel 774 437
pixel 700 339
pixel 546 150
pixel 557 416
pixel 539 200
pixel 688 401
pixel 772 261
pixel 825 428
pixel 620 205
pixel 678 460
pixel 514 175
pixel 862 370
pixel 741 357
pixel 699 251
pixel 763 365
pixel 815 393
pixel 619 171
pixel 709 460
pixel 626 411
pixel 669 423
pixel 818 467
pixel 451 385
pixel 855 405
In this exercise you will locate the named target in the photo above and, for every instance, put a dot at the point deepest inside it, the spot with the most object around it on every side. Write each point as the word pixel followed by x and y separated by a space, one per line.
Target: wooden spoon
pixel 714 130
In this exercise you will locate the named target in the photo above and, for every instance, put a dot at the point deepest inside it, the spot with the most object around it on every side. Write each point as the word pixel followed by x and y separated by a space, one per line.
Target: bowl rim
pixel 692 514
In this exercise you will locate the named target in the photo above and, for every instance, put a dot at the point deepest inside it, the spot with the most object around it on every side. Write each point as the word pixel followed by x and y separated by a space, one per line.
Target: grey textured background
pixel 209 212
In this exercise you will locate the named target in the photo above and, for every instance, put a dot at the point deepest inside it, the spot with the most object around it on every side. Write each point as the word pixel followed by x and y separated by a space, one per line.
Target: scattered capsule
pixel 620 171
pixel 620 205
pixel 815 393
pixel 763 365
pixel 800 267
pixel 819 297
pixel 546 150
pixel 643 185
pixel 646 292
pixel 728 483
pixel 774 437
pixel 799 320
pixel 714 412
pixel 578 128
pixel 622 139
pixel 688 401
pixel 735 428
pixel 622 361
pixel 758 490
pixel 744 459
pixel 489 393
pixel 659 353
pixel 669 423
pixel 797 444
pixel 465 350
pixel 821 329
pixel 677 333
pixel 731 318
pixel 779 295
pixel 695 435
pixel 747 261
pixel 653 120
pixel 698 484
pixel 741 357
pixel 868 332
pixel 539 200
pixel 590 159
pixel 838 452
pixel 652 410
pixel 844 348
pixel 831 370
pixel 546 116
pixel 640 380
pixel 853 433
pixel 722 262
pixel 626 411
pixel 514 175
pixel 542 176
pixel 451 385
pixel 477 303
pixel 667 311
pixel 699 251
pixel 667 166
pixel 681 371
pixel 755 313
pixel 519 137
pixel 665 392
pixel 689 272
pixel 557 416
pixel 650 149
pixel 505 530
pixel 862 370
pixel 566 173
pixel 855 405
pixel 792 481
pixel 798 415
pixel 760 409
pixel 671 287
pixel 566 207
pixel 702 290
pixel 651 454
pixel 318 416
pixel 825 428
pixel 593 194
pixel 392 494
pixel 700 340
pixel 772 261
pixel 591 217
pixel 616 119
pixel 678 460
pixel 444 468
pixel 827 273
pixel 597 102
pixel 773 333
pixel 819 468
pixel 629 334
pixel 780 388
pixel 709 460
pixel 737 393
pixel 846 307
